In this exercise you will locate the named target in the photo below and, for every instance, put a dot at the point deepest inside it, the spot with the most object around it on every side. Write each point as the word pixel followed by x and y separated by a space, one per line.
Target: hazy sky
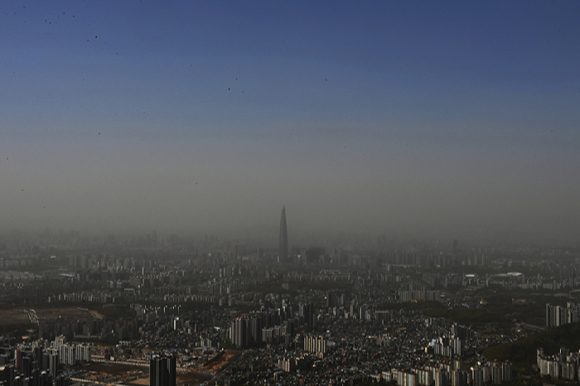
pixel 439 118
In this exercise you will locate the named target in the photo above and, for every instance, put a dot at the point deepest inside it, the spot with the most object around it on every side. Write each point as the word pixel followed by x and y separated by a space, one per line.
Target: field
pixel 65 312
pixel 19 320
pixel 10 317
pixel 19 316
pixel 15 321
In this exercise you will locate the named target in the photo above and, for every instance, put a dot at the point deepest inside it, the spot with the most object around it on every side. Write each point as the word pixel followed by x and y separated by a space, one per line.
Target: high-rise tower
pixel 162 371
pixel 283 240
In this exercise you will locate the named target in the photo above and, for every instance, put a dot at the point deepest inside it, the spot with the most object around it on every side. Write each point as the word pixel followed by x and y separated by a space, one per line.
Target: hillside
pixel 523 352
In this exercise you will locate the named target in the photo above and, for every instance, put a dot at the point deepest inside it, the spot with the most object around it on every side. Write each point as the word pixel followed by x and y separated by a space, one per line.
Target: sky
pixel 422 119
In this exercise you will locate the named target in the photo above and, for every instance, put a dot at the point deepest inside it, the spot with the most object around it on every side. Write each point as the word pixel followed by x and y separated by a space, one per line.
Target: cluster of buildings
pixel 451 374
pixel 348 336
pixel 71 353
pixel 452 345
pixel 261 327
pixel 37 363
pixel 418 294
pixel 17 261
pixel 558 316
pixel 315 344
pixel 10 275
pixel 84 297
pixel 415 258
pixel 221 287
pixel 447 346
pixel 563 365
pixel 291 364
pixel 509 280
pixel 272 326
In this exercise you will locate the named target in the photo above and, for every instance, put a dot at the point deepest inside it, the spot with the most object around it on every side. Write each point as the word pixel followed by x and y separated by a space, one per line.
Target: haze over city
pixel 406 119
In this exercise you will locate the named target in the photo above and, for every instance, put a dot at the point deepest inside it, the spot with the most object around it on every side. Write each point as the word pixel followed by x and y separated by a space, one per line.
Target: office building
pixel 162 371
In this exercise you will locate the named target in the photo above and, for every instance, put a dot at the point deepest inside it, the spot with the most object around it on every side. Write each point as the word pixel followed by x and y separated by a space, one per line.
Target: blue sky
pixel 429 118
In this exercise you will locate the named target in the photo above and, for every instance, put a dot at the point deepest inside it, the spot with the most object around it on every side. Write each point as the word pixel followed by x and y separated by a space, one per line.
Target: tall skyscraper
pixel 283 240
pixel 162 371
pixel 306 311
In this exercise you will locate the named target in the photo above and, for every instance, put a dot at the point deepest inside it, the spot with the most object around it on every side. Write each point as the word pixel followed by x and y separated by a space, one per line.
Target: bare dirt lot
pixel 191 378
pixel 221 361
pixel 139 375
